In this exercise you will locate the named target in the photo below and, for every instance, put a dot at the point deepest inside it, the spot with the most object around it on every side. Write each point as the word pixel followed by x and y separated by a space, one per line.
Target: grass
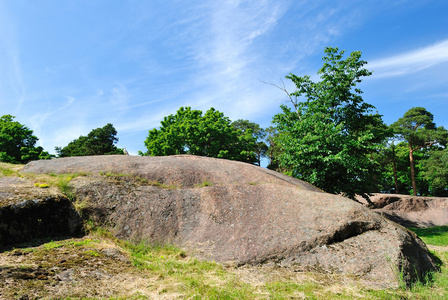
pixel 9 170
pixel 52 245
pixel 437 236
pixel 204 183
pixel 169 272
pixel 177 274
pixel 137 179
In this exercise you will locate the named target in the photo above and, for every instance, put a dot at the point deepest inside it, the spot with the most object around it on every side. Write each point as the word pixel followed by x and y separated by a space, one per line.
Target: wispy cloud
pixel 411 62
pixel 119 98
pixel 242 43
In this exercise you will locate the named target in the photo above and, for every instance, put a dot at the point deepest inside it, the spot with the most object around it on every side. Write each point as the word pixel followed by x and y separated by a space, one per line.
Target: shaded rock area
pixel 412 211
pixel 28 212
pixel 234 212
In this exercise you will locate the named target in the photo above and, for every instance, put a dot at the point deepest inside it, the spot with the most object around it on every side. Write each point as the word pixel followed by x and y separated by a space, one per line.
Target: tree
pixel 211 135
pixel 393 162
pixel 435 170
pixel 328 138
pixel 17 142
pixel 248 127
pixel 99 141
pixel 273 149
pixel 419 131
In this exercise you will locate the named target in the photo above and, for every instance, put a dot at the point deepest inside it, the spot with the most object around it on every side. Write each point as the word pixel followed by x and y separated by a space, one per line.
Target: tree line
pixel 327 135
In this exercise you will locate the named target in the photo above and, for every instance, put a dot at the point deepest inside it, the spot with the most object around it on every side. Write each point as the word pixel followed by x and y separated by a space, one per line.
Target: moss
pixel 123 177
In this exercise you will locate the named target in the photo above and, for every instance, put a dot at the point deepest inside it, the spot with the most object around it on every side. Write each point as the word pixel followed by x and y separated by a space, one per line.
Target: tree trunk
pixel 411 160
pixel 375 187
pixel 394 165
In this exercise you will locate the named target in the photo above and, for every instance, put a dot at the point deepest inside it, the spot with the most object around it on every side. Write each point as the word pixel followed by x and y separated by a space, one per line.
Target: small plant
pixel 81 205
pixel 204 184
pixel 66 188
pixel 52 245
pixel 81 243
pixel 92 253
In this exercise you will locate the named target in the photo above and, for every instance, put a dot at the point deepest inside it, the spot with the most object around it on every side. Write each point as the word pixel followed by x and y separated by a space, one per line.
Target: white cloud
pixel 241 43
pixel 410 62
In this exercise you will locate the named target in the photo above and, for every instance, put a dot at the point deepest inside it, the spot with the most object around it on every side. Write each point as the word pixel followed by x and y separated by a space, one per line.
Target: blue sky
pixel 67 67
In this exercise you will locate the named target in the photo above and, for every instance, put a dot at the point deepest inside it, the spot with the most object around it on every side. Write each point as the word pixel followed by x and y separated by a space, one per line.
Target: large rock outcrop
pixel 412 211
pixel 28 212
pixel 235 212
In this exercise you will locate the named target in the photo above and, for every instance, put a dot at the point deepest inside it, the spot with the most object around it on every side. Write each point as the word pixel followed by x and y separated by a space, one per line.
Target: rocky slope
pixel 238 213
pixel 412 211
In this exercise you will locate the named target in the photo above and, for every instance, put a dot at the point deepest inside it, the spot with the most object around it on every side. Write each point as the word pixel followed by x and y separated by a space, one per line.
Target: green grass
pixel 169 272
pixel 52 245
pixel 178 273
pixel 437 236
pixel 10 170
pixel 204 184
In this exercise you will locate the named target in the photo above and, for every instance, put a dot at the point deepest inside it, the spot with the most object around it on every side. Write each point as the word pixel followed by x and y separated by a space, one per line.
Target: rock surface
pixel 412 211
pixel 28 212
pixel 230 211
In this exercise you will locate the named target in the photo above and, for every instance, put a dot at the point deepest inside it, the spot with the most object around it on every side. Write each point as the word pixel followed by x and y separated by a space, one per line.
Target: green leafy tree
pixel 435 171
pixel 394 167
pixel 328 138
pixel 100 141
pixel 386 160
pixel 418 129
pixel 211 134
pixel 274 149
pixel 254 129
pixel 17 142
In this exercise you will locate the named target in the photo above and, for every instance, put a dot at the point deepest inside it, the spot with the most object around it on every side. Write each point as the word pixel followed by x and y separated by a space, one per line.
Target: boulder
pixel 412 211
pixel 233 212
pixel 28 212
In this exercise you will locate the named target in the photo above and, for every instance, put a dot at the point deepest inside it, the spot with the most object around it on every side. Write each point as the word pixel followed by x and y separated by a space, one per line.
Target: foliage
pixel 99 141
pixel 418 129
pixel 274 149
pixel 211 135
pixel 431 170
pixel 328 138
pixel 435 171
pixel 399 155
pixel 17 142
pixel 259 133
